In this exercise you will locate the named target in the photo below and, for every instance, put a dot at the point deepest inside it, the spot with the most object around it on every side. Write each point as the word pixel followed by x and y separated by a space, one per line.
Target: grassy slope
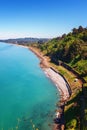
pixel 72 108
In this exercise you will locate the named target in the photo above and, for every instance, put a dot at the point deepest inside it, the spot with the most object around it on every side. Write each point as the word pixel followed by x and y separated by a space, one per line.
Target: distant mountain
pixel 25 40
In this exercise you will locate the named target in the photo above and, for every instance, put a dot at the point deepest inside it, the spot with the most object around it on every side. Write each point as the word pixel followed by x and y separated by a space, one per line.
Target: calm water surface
pixel 27 96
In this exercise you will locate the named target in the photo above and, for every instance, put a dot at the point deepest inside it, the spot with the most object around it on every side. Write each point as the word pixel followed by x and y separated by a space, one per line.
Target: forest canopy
pixel 70 48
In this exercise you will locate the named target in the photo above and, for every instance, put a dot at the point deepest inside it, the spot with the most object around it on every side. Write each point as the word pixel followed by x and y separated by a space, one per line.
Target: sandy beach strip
pixel 57 79
pixel 59 82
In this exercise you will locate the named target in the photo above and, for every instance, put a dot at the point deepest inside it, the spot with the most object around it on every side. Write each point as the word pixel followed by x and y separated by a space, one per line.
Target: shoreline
pixel 51 73
pixel 18 45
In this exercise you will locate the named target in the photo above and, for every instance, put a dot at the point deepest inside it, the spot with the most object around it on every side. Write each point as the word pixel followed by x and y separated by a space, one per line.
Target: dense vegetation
pixel 70 48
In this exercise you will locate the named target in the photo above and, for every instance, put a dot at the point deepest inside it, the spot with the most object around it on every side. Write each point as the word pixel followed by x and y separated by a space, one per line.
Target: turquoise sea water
pixel 27 96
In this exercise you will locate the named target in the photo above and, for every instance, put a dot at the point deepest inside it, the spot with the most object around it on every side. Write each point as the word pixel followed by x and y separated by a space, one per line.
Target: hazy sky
pixel 40 18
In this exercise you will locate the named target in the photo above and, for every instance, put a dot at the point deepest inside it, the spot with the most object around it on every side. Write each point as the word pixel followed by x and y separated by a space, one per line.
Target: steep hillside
pixel 70 48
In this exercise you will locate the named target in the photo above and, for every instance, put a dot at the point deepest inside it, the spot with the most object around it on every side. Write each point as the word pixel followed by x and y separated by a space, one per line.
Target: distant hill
pixel 70 48
pixel 25 40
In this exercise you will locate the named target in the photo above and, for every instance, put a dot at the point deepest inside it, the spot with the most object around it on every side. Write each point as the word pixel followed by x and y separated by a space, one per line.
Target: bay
pixel 27 96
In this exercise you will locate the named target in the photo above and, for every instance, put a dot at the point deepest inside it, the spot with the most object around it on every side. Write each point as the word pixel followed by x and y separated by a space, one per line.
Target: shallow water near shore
pixel 27 96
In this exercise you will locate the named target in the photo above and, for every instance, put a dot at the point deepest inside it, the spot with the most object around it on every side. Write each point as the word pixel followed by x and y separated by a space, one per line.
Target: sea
pixel 27 96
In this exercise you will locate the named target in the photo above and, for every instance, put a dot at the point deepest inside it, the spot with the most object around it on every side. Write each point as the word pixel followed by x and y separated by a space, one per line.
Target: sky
pixel 41 18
